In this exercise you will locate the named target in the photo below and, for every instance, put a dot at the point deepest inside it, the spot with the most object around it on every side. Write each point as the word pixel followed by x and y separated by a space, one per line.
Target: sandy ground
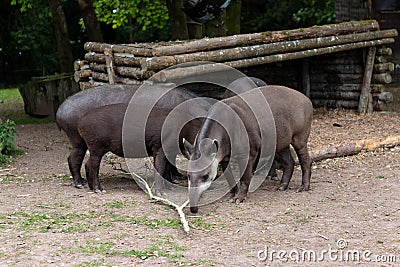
pixel 349 217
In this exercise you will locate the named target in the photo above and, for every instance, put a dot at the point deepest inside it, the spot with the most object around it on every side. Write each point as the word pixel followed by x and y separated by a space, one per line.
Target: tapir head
pixel 202 168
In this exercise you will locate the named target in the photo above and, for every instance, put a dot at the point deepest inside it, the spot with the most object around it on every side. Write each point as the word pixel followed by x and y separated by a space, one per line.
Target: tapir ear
pixel 215 146
pixel 188 148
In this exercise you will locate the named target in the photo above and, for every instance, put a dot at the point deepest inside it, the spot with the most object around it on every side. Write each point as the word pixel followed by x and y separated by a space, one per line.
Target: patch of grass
pixel 155 223
pixel 97 247
pixel 3 254
pixel 115 204
pixel 198 222
pixel 91 263
pixel 11 96
pixel 203 262
pixel 53 222
pixel 11 104
pixel 160 248
pixel 303 218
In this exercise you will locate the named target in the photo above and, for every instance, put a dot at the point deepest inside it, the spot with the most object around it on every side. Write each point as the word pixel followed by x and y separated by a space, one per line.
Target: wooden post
pixel 305 76
pixel 110 64
pixel 365 103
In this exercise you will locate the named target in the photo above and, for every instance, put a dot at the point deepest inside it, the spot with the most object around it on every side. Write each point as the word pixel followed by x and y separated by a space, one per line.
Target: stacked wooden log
pixel 134 63
pixel 381 77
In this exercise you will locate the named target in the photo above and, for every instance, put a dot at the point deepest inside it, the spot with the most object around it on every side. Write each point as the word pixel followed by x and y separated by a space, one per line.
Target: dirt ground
pixel 349 217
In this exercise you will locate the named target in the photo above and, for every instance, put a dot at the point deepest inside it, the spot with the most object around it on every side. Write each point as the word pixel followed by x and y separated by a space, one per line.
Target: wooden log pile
pixel 135 63
pixel 382 76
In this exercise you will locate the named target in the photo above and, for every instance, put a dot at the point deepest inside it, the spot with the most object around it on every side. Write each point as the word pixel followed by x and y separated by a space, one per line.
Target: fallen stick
pixel 353 148
pixel 168 202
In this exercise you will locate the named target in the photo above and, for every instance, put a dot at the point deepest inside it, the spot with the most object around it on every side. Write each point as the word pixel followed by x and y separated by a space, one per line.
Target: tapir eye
pixel 205 177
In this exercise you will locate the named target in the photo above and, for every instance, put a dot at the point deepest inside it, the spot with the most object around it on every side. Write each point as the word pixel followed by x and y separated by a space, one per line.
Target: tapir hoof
pixel 79 186
pixel 273 178
pixel 237 199
pixel 303 188
pixel 283 187
pixel 99 191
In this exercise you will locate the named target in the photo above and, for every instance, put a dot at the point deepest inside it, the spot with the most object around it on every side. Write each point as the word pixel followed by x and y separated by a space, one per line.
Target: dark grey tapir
pixel 77 105
pixel 292 115
pixel 102 130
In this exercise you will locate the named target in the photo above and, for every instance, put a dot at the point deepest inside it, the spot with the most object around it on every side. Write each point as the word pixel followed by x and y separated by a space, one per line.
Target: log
pixel 333 68
pixel 120 59
pixel 381 59
pixel 110 64
pixel 384 67
pixel 103 77
pixel 365 104
pixel 243 63
pixel 384 51
pixel 378 88
pixel 265 37
pixel 82 75
pixel 339 95
pixel 306 53
pixel 354 148
pixel 183 72
pixel 131 72
pixel 329 87
pixel 87 85
pixel 135 73
pixel 337 78
pixel 134 49
pixel 81 65
pixel 158 63
pixel 229 54
pixel 349 104
pixel 382 78
pixel 383 96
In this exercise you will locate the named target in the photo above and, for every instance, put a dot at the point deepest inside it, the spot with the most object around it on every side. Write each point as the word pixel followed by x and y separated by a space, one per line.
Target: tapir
pixel 101 129
pixel 292 115
pixel 241 85
pixel 76 106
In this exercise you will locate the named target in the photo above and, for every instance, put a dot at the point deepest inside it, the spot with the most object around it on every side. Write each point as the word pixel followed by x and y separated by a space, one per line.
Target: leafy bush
pixel 7 135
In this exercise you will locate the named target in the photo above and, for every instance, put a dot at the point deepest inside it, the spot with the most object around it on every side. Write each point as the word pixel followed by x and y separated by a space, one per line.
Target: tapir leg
pixel 226 168
pixel 246 166
pixel 285 159
pixel 272 172
pixel 75 160
pixel 305 163
pixel 92 168
pixel 159 165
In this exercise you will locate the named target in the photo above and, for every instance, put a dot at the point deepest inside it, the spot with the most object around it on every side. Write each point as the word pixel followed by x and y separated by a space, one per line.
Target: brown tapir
pixel 241 85
pixel 292 115
pixel 77 105
pixel 101 129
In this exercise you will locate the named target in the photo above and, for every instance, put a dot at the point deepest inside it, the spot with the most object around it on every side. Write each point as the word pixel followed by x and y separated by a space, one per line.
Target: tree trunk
pixel 195 30
pixel 92 26
pixel 177 18
pixel 216 27
pixel 60 29
pixel 233 17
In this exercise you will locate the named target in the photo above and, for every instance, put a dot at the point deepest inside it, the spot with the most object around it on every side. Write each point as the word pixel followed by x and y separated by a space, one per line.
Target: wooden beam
pixel 365 103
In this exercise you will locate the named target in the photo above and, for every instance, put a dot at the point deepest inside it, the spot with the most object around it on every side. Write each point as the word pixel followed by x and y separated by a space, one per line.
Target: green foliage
pixel 269 15
pixel 145 13
pixel 30 44
pixel 25 4
pixel 316 12
pixel 7 135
